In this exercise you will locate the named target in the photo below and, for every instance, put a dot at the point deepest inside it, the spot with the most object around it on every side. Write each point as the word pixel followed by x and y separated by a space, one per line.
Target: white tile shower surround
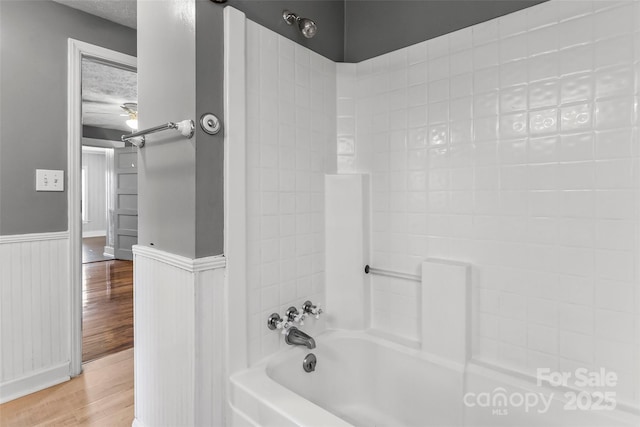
pixel 291 114
pixel 512 145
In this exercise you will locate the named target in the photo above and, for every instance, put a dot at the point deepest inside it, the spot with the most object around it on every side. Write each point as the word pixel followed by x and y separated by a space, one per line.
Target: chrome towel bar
pixel 185 127
pixel 389 273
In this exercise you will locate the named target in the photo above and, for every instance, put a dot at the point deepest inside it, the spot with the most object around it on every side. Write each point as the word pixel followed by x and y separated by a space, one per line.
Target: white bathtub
pixel 362 380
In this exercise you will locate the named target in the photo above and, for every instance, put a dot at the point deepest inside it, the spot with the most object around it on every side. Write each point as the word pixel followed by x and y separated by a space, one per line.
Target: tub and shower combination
pixel 495 187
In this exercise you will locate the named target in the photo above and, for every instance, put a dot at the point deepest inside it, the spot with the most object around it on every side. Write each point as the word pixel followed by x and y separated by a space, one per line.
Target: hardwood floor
pixel 101 396
pixel 107 308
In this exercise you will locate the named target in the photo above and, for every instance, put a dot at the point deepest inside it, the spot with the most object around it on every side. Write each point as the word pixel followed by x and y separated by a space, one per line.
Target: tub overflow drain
pixel 309 363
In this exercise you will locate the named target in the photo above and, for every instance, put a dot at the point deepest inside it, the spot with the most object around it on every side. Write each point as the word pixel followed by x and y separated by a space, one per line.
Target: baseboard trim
pixel 136 423
pixel 34 237
pixel 108 251
pixel 33 382
pixel 96 233
pixel 184 263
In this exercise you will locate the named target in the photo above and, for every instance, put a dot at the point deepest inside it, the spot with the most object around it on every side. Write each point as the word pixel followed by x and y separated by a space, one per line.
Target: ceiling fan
pixel 111 109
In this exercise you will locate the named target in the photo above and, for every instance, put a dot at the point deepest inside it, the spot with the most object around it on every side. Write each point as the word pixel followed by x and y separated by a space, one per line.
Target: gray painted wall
pixel 210 148
pixel 166 92
pixel 375 27
pixel 327 14
pixel 181 181
pixel 33 119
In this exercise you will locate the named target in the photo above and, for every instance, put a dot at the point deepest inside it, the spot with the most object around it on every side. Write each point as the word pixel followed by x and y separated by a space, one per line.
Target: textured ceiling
pixel 104 89
pixel 119 11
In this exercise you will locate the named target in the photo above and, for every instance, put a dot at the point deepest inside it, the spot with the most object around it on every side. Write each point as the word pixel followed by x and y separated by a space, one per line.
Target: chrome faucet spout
pixel 295 336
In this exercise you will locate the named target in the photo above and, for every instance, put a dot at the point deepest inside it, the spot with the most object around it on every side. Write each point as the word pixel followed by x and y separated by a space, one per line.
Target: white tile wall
pixel 291 123
pixel 512 145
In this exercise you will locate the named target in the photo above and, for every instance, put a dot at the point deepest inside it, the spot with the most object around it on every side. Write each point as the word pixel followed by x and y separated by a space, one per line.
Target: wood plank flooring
pixel 101 396
pixel 107 308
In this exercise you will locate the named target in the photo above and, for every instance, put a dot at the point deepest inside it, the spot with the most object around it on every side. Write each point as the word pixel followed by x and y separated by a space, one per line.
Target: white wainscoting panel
pixel 210 351
pixel 178 309
pixel 34 313
pixel 95 165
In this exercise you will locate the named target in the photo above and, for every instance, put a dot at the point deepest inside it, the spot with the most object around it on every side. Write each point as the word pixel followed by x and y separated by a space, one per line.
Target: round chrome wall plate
pixel 210 124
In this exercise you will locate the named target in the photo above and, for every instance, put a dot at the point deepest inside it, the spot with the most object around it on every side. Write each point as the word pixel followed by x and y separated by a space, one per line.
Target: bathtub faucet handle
pixel 292 313
pixel 276 322
pixel 295 316
pixel 311 309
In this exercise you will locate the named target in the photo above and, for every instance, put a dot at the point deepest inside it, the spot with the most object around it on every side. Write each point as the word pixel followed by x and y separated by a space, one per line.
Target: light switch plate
pixel 49 180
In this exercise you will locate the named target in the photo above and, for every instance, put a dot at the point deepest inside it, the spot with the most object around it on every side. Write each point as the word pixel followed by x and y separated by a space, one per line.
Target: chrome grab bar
pixel 389 273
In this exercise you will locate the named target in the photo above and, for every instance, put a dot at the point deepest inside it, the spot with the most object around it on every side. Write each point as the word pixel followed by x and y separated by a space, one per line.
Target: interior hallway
pixel 101 396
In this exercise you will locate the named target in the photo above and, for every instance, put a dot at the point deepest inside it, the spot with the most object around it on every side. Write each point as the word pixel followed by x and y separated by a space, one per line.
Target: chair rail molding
pixel 33 237
pixel 184 263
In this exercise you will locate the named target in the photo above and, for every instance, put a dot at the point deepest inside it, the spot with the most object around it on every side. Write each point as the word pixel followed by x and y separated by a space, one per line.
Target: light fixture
pixel 307 27
pixel 131 109
pixel 132 123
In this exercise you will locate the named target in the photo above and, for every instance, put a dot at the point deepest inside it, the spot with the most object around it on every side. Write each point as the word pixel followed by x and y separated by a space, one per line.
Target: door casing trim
pixel 76 50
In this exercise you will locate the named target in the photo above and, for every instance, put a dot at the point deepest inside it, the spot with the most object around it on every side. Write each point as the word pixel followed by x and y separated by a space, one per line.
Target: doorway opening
pixel 102 200
pixel 108 200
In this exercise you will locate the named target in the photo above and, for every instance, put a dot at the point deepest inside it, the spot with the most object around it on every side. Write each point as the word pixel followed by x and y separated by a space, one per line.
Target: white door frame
pixel 76 51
